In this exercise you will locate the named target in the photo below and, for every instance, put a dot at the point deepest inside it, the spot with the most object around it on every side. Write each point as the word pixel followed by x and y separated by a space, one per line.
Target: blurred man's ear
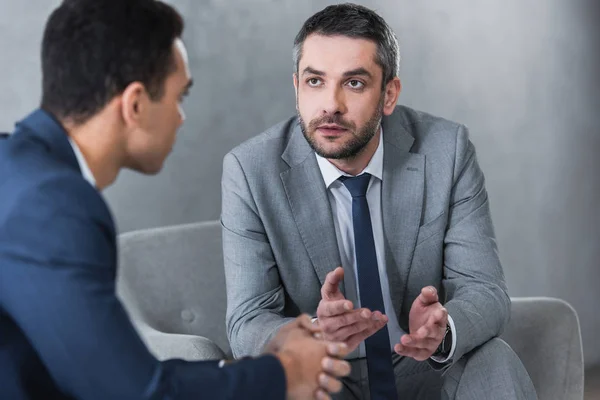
pixel 134 101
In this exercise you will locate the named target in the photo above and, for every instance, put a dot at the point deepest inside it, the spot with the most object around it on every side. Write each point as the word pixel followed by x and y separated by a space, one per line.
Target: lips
pixel 331 130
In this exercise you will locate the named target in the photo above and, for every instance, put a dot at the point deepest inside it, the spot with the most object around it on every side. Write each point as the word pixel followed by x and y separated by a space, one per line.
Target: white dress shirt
pixel 83 165
pixel 340 200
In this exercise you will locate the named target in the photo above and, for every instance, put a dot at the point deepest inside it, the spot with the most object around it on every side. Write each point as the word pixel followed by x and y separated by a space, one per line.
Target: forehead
pixel 338 53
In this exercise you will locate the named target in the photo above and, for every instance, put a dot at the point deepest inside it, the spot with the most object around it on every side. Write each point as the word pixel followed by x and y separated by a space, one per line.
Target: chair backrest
pixel 173 279
pixel 545 333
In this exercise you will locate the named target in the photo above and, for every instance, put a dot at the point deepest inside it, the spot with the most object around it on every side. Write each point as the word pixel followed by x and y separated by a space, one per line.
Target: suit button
pixel 187 315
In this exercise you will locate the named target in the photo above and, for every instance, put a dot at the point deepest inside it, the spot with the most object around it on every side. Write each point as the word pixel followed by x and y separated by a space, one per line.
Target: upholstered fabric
pixel 172 279
pixel 166 346
pixel 173 286
pixel 545 333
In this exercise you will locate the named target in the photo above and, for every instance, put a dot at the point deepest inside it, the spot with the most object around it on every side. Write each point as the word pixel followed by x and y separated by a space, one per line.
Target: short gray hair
pixel 354 21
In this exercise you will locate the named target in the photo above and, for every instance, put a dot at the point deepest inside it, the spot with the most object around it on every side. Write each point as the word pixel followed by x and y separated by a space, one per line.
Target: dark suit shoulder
pixel 61 216
pixel 31 176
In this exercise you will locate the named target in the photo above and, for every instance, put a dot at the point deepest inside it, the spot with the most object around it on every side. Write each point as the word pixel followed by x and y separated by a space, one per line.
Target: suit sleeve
pixel 255 295
pixel 58 284
pixel 476 293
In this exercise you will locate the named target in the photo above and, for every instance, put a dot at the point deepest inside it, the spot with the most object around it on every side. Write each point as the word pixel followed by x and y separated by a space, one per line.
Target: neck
pixel 356 164
pixel 101 147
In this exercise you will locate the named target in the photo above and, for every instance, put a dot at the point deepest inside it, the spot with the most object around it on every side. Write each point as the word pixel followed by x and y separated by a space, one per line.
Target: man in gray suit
pixel 392 195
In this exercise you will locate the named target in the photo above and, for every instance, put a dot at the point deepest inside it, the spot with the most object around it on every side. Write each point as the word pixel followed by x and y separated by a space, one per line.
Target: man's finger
pixel 428 296
pixel 355 339
pixel 337 349
pixel 329 383
pixel 345 332
pixel 434 329
pixel 441 315
pixel 305 322
pixel 337 322
pixel 435 326
pixel 417 354
pixel 422 344
pixel 331 285
pixel 426 343
pixel 334 308
pixel 335 368
pixel 322 395
pixel 437 319
pixel 422 333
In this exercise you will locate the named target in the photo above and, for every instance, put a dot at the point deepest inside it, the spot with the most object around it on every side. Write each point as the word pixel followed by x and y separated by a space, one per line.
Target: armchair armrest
pixel 166 346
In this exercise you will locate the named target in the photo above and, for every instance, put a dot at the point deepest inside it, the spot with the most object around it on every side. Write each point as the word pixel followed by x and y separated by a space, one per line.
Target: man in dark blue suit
pixel 114 75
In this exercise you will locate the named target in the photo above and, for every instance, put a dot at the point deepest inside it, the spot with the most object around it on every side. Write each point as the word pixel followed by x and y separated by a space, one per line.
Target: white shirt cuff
pixel 443 360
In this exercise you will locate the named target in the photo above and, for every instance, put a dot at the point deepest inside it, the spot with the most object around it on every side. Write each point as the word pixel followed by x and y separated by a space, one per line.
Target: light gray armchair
pixel 172 283
pixel 545 333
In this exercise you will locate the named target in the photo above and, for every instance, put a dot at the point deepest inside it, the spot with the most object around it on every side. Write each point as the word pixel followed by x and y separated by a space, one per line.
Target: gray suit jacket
pixel 279 237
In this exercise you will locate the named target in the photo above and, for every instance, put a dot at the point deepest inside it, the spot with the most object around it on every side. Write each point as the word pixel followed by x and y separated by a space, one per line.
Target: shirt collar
pixel 83 165
pixel 375 167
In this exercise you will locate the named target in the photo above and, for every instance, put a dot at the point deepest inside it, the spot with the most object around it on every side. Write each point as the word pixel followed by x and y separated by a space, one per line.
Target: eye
pixel 355 84
pixel 314 82
pixel 183 96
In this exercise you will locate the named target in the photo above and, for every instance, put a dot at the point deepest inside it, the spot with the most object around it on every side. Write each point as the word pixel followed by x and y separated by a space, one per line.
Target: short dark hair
pixel 354 21
pixel 93 49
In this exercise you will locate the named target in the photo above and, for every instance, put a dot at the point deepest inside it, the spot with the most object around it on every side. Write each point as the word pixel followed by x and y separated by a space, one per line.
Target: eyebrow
pixel 358 71
pixel 353 72
pixel 310 70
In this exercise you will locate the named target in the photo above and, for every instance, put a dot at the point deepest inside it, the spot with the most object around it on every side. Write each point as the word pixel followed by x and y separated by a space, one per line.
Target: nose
pixel 335 102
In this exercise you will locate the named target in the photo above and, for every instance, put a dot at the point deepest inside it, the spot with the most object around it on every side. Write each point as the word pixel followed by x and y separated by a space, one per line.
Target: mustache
pixel 331 119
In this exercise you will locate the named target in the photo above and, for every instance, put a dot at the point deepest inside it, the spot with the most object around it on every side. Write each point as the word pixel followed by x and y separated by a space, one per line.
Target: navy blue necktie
pixel 379 354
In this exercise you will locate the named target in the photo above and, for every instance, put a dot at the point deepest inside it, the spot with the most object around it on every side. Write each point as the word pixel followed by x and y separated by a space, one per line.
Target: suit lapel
pixel 309 202
pixel 402 203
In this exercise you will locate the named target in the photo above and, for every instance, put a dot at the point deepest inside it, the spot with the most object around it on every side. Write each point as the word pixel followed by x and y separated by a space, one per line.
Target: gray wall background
pixel 522 74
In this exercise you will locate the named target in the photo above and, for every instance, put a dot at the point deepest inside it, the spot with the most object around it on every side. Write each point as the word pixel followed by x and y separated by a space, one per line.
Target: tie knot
pixel 356 185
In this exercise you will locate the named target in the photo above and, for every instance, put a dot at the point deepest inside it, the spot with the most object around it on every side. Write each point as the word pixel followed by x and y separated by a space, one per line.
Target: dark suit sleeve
pixel 58 283
pixel 477 297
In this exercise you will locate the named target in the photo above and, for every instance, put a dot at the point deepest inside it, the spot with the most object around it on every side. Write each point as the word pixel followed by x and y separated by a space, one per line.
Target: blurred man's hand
pixel 312 366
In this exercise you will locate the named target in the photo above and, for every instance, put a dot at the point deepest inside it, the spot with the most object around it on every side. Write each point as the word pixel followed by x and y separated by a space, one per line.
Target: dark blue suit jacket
pixel 63 333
